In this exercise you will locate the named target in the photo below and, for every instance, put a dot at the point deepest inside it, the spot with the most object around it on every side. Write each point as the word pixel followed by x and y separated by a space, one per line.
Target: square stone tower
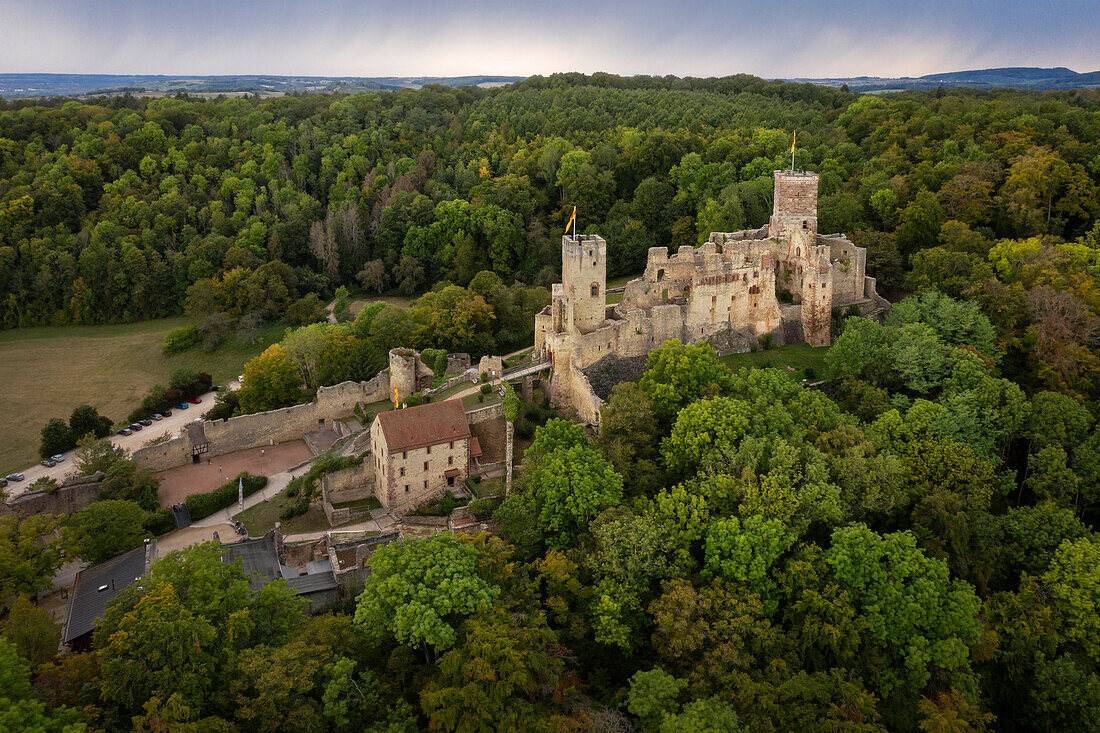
pixel 795 204
pixel 584 281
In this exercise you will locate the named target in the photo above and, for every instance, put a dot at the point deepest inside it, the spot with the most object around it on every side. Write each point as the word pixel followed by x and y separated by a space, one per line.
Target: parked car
pixel 58 458
pixel 182 406
pixel 194 400
pixel 125 431
pixel 146 422
pixel 157 416
pixel 47 463
pixel 135 426
pixel 15 477
pixel 166 413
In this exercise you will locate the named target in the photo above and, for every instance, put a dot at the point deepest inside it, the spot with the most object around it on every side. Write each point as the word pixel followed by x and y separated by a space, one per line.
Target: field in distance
pixel 49 371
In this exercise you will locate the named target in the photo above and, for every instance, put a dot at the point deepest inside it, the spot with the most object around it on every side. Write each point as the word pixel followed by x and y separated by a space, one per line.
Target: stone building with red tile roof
pixel 420 452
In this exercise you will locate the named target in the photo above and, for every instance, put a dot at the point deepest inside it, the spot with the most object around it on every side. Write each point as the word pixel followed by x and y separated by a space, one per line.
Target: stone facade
pixel 411 470
pixel 730 292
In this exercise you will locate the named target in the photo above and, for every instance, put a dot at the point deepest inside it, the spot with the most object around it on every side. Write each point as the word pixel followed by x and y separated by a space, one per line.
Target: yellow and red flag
pixel 572 221
pixel 794 136
pixel 395 397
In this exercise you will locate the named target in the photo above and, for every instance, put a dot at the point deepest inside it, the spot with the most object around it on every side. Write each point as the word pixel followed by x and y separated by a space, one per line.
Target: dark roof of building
pixel 475 447
pixel 98 585
pixel 431 424
pixel 260 562
pixel 313 582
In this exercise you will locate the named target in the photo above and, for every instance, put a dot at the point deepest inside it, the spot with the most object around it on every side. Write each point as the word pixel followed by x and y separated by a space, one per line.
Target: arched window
pixel 805 225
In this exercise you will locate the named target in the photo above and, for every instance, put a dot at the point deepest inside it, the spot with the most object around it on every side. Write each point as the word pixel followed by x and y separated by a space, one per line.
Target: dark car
pixel 125 431
pixel 15 477
pixel 146 422
pixel 135 426
pixel 166 413
pixel 48 463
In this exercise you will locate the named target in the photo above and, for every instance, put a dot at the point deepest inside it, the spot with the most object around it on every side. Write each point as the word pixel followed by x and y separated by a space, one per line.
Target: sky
pixel 769 38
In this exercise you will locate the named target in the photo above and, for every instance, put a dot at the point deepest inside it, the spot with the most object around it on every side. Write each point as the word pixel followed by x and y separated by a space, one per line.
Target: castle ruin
pixel 780 281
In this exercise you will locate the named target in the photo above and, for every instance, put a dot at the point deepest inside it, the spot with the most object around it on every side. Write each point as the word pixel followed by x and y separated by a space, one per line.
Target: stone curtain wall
pixel 175 452
pixel 262 428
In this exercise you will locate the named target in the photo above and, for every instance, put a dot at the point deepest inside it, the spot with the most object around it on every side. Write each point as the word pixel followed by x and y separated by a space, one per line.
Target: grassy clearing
pixel 796 357
pixel 262 517
pixel 613 298
pixel 49 371
pixel 618 282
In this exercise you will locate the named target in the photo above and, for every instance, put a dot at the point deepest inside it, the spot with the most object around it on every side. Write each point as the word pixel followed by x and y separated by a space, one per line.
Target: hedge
pixel 203 505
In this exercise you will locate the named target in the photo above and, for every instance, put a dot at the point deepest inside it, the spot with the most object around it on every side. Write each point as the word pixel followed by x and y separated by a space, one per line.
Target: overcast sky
pixel 770 38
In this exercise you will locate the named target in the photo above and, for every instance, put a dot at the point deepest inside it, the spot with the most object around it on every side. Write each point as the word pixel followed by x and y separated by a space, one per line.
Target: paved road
pixel 171 425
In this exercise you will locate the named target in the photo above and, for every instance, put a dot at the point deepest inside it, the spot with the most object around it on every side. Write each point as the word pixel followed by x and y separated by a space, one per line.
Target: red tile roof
pixel 431 424
pixel 475 448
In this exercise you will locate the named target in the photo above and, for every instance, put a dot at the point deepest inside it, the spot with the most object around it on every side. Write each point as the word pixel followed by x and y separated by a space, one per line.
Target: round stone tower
pixel 584 280
pixel 402 372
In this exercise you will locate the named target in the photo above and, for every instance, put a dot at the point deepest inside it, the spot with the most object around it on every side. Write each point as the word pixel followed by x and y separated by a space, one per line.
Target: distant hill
pixel 1013 77
pixel 83 85
pixel 79 85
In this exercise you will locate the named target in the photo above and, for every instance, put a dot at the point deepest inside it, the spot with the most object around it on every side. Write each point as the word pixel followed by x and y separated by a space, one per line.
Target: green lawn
pixel 796 356
pixel 618 282
pixel 262 517
pixel 49 371
pixel 613 298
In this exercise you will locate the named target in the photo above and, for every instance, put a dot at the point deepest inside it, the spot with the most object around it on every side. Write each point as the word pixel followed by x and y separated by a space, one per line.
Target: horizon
pixel 229 75
pixel 370 38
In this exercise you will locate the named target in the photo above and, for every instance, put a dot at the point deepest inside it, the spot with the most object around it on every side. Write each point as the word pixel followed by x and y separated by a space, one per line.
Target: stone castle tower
pixel 795 207
pixel 583 281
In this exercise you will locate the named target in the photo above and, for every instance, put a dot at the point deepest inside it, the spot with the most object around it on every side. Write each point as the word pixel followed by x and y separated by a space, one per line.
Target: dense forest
pixel 908 545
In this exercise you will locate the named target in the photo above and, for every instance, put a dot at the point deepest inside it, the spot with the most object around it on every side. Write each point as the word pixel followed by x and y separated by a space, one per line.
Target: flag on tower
pixel 794 136
pixel 572 222
pixel 395 396
pixel 240 492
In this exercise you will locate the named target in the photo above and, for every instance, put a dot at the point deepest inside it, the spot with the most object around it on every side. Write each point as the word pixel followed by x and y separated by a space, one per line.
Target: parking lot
pixel 170 425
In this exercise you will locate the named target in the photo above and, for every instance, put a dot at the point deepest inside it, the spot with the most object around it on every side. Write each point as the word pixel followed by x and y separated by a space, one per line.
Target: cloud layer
pixel 782 38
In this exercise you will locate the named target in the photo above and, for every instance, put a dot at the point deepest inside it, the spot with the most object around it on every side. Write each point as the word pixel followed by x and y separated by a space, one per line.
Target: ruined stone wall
pixel 175 452
pixel 349 484
pixel 261 428
pixel 75 494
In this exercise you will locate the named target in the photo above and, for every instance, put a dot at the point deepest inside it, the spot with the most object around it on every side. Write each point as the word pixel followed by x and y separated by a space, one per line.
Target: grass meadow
pixel 49 371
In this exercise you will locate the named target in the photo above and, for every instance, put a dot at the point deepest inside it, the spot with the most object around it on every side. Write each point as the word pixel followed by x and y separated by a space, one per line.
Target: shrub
pixel 484 508
pixel 486 389
pixel 296 509
pixel 56 438
pixel 440 506
pixel 201 506
pixel 181 339
pixel 810 373
pixel 160 522
pixel 306 310
pixel 766 341
pixel 86 419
